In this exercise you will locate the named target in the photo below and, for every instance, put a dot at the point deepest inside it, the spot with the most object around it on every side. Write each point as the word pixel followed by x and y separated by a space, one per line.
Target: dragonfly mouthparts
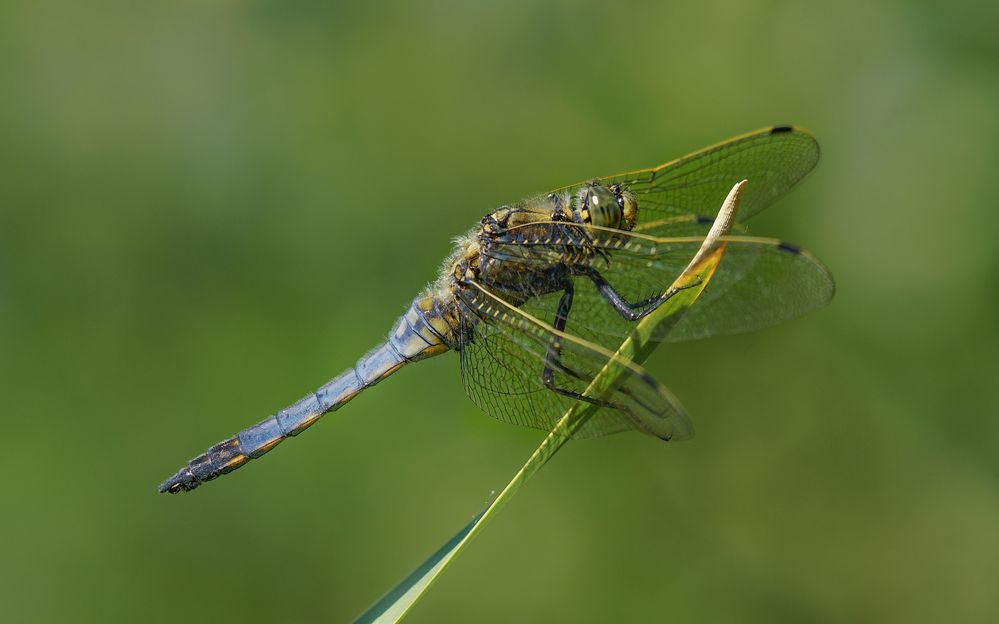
pixel 183 481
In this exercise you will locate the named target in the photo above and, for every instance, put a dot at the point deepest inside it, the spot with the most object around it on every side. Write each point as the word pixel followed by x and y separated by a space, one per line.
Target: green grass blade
pixel 636 348
pixel 394 604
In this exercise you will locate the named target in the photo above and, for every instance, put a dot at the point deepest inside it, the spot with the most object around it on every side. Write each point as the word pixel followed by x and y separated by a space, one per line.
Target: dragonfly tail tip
pixel 183 481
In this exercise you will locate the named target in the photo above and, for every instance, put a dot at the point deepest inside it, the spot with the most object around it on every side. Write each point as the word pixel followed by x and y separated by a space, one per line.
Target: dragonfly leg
pixel 625 308
pixel 553 357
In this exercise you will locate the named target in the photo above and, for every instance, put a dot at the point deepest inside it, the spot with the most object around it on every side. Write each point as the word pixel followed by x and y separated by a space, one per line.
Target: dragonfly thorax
pixel 611 207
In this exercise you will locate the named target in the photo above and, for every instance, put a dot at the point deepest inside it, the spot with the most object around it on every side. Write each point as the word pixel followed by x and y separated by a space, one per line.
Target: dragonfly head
pixel 612 207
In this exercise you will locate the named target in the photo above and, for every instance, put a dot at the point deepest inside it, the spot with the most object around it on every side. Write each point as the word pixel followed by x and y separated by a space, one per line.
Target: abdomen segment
pixel 412 339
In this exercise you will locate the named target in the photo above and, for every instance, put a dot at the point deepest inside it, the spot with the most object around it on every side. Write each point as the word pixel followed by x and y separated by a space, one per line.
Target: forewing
pixel 761 282
pixel 502 370
pixel 773 160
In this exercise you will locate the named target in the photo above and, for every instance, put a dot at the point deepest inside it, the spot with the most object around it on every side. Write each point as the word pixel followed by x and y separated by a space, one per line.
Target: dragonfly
pixel 537 296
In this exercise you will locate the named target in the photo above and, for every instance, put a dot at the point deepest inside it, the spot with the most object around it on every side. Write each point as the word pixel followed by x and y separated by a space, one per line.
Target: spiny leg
pixel 553 357
pixel 625 308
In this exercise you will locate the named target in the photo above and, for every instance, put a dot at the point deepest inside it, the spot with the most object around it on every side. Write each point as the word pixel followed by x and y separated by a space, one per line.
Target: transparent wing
pixel 503 364
pixel 759 283
pixel 773 160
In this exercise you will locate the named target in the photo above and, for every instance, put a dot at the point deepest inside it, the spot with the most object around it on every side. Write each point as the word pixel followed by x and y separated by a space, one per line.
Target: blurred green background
pixel 207 209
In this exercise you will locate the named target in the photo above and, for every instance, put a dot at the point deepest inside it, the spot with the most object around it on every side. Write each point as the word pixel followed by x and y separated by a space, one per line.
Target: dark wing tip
pixel 781 129
pixel 789 247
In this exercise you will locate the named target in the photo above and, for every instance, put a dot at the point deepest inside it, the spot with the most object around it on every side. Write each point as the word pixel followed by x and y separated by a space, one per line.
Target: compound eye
pixel 603 206
pixel 629 209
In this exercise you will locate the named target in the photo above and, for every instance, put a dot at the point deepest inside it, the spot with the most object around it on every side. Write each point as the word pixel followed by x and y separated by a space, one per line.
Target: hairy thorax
pixel 525 250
